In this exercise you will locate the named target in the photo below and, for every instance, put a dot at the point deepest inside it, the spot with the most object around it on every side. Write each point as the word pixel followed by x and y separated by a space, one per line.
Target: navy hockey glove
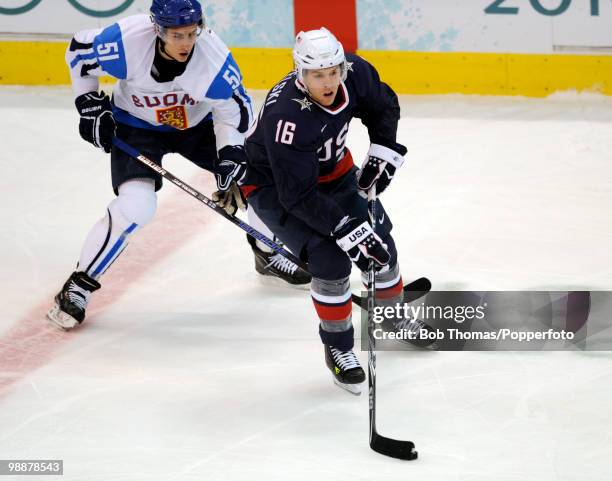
pixel 379 167
pixel 231 200
pixel 97 125
pixel 361 244
pixel 230 166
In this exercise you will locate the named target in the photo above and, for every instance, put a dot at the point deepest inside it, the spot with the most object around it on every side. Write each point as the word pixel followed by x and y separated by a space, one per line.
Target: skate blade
pixel 354 389
pixel 430 346
pixel 274 281
pixel 60 319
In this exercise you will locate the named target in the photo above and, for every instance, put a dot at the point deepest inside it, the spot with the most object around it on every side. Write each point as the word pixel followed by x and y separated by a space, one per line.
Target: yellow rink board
pixel 42 63
pixel 492 74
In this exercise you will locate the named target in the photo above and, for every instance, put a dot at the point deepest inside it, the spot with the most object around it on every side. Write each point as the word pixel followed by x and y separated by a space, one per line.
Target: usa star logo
pixel 349 66
pixel 304 103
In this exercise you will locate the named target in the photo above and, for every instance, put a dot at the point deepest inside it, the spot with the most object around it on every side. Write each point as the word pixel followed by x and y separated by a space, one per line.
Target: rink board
pixel 533 75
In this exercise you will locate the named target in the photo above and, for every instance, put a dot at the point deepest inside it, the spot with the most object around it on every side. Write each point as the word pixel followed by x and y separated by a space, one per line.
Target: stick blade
pixel 416 289
pixel 393 448
pixel 412 291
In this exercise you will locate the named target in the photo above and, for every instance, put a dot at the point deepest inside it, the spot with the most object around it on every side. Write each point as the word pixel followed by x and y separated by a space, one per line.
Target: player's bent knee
pixel 137 202
pixel 327 261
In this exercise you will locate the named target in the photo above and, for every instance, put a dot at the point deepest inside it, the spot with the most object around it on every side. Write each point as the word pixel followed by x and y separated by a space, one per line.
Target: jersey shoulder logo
pixel 304 103
pixel 110 52
pixel 227 80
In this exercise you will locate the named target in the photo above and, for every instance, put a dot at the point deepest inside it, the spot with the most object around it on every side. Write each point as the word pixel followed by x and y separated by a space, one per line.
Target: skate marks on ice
pixel 32 341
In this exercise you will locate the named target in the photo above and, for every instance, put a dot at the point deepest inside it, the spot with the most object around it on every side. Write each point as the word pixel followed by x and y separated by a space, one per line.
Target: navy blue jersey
pixel 299 146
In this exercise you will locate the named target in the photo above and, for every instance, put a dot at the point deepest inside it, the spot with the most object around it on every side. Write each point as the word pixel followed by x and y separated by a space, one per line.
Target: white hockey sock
pixel 133 208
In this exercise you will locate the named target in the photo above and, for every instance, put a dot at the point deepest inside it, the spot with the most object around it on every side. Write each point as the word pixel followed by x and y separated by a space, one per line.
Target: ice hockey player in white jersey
pixel 179 90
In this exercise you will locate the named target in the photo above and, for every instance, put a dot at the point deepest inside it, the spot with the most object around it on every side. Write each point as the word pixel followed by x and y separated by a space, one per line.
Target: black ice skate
pixel 345 368
pixel 71 301
pixel 275 265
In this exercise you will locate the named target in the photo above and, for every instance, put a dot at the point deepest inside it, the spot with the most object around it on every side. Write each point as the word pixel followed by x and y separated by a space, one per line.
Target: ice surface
pixel 190 368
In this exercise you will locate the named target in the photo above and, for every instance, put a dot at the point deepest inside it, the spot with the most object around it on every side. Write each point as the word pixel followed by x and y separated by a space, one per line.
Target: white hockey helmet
pixel 317 49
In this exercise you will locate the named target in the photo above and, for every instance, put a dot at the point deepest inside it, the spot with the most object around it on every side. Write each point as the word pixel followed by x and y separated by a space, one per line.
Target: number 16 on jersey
pixel 284 132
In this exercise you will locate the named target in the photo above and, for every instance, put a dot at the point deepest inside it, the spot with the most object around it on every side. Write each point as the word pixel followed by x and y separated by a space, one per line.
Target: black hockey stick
pixel 132 152
pixel 381 444
pixel 412 291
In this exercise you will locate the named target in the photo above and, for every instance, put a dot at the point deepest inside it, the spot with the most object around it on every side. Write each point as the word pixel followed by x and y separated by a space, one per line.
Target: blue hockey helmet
pixel 176 13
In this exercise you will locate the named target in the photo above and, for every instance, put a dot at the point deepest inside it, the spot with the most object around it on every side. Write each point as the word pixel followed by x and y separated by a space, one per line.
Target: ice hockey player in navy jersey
pixel 303 184
pixel 179 90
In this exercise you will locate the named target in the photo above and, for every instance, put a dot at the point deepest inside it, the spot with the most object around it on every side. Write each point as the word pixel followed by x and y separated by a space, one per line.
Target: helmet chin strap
pixel 162 49
pixel 162 43
pixel 300 85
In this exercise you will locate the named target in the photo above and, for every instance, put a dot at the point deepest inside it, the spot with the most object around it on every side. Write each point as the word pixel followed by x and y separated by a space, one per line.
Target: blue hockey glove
pixel 230 166
pixel 97 125
pixel 379 167
pixel 361 244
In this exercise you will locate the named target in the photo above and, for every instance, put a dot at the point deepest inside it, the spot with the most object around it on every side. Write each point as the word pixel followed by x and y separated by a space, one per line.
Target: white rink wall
pixel 509 26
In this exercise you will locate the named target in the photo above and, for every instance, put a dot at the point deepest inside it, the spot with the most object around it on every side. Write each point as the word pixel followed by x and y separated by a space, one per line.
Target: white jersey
pixel 209 86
